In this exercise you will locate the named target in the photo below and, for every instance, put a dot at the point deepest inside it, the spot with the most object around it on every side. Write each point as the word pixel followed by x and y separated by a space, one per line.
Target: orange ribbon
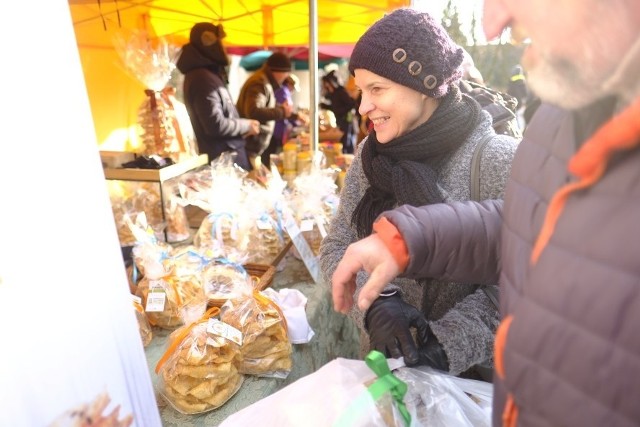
pixel 138 307
pixel 213 311
pixel 155 119
pixel 267 302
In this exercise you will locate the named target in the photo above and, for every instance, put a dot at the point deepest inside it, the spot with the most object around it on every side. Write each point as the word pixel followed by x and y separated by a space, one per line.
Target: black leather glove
pixel 433 355
pixel 389 321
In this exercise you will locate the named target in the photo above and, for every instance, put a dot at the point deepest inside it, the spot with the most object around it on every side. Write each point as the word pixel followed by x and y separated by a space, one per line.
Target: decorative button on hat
pixel 410 48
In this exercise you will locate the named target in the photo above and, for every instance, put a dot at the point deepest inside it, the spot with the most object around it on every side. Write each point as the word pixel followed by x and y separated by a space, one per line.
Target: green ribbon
pixel 387 383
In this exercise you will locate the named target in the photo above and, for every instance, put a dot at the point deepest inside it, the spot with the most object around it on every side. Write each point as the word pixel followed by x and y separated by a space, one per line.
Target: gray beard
pixel 572 86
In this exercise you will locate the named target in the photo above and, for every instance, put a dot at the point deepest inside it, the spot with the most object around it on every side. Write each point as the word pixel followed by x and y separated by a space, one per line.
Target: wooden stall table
pixel 335 336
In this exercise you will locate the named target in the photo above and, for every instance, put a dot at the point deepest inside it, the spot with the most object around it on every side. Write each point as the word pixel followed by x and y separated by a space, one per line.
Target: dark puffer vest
pixel 568 349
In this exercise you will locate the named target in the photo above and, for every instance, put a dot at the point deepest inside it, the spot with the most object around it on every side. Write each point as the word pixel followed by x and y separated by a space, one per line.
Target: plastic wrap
pixel 172 295
pixel 165 129
pixel 198 371
pixel 377 393
pixel 266 350
pixel 313 202
pixel 225 280
pixel 146 334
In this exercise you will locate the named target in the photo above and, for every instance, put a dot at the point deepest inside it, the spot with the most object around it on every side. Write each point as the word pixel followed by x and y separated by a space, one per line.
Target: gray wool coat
pixel 460 315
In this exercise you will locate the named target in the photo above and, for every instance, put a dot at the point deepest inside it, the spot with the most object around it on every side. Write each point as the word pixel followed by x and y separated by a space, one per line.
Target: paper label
pixel 301 244
pixel 306 225
pixel 156 299
pixel 320 223
pixel 264 224
pixel 221 329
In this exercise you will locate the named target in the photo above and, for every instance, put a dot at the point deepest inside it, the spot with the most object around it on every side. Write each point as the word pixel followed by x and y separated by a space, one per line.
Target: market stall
pixel 250 26
pixel 335 336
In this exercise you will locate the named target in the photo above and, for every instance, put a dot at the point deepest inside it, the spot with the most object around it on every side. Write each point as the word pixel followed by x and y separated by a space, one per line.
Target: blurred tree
pixel 494 60
pixel 451 22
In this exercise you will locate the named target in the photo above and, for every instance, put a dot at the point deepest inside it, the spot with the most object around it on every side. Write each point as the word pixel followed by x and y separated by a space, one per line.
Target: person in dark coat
pixel 565 242
pixel 216 123
pixel 282 128
pixel 517 86
pixel 343 107
pixel 257 100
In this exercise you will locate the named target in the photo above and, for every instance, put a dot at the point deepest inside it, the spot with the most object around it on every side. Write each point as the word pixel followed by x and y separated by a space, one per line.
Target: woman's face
pixel 393 109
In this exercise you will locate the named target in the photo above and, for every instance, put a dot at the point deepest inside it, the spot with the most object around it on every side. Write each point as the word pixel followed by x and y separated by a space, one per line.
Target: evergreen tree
pixel 451 22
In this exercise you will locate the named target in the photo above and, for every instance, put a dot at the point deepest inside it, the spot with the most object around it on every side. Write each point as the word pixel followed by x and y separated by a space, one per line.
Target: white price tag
pixel 264 224
pixel 320 222
pixel 216 327
pixel 156 298
pixel 306 225
pixel 309 259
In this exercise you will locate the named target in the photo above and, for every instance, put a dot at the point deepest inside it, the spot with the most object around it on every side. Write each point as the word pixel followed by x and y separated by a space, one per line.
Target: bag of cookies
pixel 172 300
pixel 223 280
pixel 143 323
pixel 266 349
pixel 199 370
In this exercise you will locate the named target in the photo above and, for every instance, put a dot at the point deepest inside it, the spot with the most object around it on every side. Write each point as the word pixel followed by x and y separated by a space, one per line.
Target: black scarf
pixel 404 170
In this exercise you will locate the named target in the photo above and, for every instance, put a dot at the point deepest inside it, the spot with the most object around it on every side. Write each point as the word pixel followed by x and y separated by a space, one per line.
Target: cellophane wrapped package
pixel 225 229
pixel 172 294
pixel 243 216
pixel 313 201
pixel 264 206
pixel 165 129
pixel 266 349
pixel 224 280
pixel 357 393
pixel 175 213
pixel 199 370
pixel 146 334
pixel 130 198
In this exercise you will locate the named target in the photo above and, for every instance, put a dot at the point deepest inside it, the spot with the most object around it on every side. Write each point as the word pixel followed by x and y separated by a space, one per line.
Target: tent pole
pixel 314 120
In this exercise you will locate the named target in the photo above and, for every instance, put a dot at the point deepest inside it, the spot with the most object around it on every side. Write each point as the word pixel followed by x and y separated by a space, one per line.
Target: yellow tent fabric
pixel 260 24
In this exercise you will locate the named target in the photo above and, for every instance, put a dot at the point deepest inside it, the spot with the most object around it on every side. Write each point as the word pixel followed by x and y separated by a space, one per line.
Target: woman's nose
pixel 365 106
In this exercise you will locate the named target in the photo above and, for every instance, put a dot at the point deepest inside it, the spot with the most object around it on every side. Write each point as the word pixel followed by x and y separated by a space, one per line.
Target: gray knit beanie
pixel 412 49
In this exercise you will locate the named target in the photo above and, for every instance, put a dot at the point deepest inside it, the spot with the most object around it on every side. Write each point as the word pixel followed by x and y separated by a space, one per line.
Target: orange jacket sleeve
pixel 393 241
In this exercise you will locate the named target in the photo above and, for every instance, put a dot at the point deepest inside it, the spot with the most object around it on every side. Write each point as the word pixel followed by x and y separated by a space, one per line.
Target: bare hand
pixel 303 118
pixel 371 255
pixel 254 128
pixel 288 109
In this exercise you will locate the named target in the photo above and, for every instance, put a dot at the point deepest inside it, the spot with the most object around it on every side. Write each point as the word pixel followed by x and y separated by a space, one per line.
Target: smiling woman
pixel 418 153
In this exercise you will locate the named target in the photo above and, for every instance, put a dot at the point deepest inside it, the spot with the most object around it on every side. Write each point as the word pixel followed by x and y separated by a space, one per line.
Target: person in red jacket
pixel 564 243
